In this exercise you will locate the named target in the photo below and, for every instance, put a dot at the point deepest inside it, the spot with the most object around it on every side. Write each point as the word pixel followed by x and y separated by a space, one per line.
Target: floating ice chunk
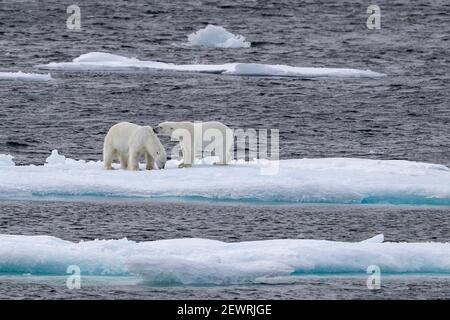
pixel 110 62
pixel 203 261
pixel 55 159
pixel 217 37
pixel 6 160
pixel 24 76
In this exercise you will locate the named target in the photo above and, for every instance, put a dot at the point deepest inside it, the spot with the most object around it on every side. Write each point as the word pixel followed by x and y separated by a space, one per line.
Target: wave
pixel 101 61
pixel 326 180
pixel 217 37
pixel 202 261
pixel 24 76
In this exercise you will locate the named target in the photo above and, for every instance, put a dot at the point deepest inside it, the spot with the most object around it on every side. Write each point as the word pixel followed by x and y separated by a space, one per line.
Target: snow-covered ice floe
pixel 203 261
pixel 217 37
pixel 24 76
pixel 100 61
pixel 326 180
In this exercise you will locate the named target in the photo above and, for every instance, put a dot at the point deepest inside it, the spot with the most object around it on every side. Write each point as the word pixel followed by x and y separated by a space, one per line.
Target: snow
pixel 325 180
pixel 217 37
pixel 101 61
pixel 6 160
pixel 24 76
pixel 203 261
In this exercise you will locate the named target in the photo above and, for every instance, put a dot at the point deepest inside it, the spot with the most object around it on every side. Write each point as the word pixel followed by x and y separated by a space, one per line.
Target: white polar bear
pixel 192 136
pixel 128 142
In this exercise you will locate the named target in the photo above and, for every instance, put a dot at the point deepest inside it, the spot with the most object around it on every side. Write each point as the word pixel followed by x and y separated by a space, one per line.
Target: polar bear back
pixel 213 125
pixel 120 135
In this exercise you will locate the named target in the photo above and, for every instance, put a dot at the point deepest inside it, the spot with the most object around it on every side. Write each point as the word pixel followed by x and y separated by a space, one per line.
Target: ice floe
pixel 325 180
pixel 203 261
pixel 21 76
pixel 101 61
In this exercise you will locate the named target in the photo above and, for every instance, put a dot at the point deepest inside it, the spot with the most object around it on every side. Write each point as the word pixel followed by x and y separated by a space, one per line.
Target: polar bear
pixel 128 142
pixel 192 136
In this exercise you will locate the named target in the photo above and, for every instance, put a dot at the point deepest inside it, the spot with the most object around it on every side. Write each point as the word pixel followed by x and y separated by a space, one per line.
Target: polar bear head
pixel 155 148
pixel 168 127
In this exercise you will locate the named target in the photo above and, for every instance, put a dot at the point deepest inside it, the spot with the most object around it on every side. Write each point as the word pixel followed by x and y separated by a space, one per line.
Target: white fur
pixel 193 135
pixel 128 142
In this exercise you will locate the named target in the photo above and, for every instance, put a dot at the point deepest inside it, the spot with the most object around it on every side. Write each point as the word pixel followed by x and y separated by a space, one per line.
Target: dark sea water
pixel 405 115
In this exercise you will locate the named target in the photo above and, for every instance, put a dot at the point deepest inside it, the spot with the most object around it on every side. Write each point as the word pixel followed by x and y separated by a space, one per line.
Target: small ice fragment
pixel 55 159
pixel 379 238
pixel 217 37
pixel 6 160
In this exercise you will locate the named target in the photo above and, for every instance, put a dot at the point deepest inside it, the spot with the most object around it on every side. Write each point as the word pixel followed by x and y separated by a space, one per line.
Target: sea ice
pixel 217 37
pixel 24 76
pixel 203 261
pixel 325 180
pixel 106 61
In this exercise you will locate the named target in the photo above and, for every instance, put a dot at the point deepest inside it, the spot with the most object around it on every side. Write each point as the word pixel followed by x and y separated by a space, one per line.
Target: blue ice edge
pixel 408 200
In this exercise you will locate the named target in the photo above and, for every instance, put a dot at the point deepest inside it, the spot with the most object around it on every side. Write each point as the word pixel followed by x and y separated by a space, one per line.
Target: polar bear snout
pixel 161 164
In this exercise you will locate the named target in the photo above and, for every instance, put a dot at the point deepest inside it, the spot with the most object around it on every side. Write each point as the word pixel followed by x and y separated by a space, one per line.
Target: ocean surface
pixel 405 115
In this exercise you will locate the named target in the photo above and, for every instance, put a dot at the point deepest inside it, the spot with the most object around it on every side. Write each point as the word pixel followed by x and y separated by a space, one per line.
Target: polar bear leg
pixel 229 156
pixel 222 160
pixel 224 157
pixel 108 154
pixel 183 165
pixel 123 161
pixel 149 161
pixel 230 151
pixel 229 145
pixel 187 155
pixel 133 160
